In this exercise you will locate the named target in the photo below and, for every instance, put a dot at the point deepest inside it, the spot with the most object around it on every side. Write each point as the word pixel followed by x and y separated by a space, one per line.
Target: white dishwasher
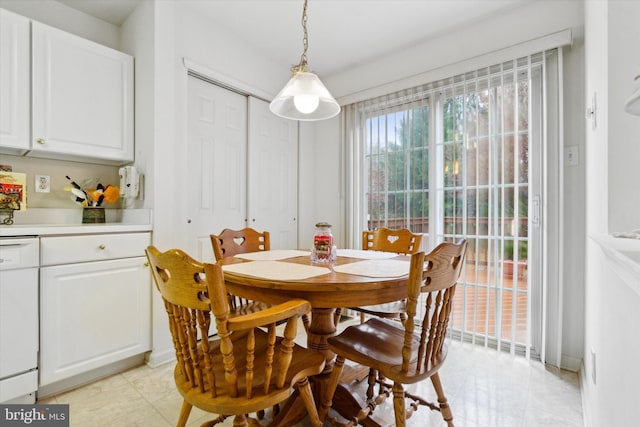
pixel 19 260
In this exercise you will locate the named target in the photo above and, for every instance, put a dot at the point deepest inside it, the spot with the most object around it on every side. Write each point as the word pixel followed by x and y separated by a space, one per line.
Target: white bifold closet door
pixel 242 168
pixel 273 175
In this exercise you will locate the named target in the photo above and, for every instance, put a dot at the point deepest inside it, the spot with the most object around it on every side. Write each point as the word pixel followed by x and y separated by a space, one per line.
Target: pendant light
pixel 304 97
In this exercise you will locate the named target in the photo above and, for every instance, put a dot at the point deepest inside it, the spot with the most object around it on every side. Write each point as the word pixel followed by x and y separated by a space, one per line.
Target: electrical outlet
pixel 43 184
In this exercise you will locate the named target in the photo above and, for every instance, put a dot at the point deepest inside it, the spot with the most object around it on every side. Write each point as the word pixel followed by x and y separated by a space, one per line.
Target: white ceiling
pixel 342 33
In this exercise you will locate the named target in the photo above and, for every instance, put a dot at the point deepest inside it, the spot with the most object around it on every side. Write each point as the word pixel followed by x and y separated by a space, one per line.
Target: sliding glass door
pixel 462 159
pixel 486 147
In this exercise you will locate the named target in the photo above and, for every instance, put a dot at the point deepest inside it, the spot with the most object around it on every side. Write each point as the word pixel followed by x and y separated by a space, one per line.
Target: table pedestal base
pixel 346 402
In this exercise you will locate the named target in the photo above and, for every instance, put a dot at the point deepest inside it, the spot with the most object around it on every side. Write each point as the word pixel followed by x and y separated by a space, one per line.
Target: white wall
pixel 434 58
pixel 624 129
pixel 320 181
pixel 511 27
pixel 612 58
pixel 65 18
pixel 137 39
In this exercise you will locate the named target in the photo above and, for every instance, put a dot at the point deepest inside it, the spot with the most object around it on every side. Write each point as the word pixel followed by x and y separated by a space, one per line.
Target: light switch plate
pixel 571 155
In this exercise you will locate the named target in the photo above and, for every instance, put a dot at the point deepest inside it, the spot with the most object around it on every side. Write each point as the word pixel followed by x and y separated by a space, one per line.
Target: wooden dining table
pixel 356 278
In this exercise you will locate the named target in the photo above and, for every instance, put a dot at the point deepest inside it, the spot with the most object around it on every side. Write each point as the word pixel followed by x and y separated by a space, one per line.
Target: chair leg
pixel 184 413
pixel 383 388
pixel 336 316
pixel 403 317
pixel 327 398
pixel 447 415
pixel 307 397
pixel 240 421
pixel 306 322
pixel 398 405
pixel 371 380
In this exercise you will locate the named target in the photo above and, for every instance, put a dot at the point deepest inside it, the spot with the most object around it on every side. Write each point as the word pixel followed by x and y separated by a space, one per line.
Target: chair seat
pixel 305 363
pixel 377 343
pixel 391 310
pixel 248 307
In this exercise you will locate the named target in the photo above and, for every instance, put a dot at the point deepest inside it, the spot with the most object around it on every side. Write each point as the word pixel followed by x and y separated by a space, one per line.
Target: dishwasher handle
pixel 18 253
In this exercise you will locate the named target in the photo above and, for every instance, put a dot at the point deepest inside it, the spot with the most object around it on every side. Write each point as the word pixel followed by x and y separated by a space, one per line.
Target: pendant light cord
pixel 302 66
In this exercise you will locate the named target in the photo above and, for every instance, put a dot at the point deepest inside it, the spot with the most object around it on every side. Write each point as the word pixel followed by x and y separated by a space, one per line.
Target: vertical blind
pixel 461 158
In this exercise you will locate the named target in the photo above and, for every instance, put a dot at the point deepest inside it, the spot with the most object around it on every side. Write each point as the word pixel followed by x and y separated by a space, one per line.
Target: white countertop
pixel 625 256
pixel 48 222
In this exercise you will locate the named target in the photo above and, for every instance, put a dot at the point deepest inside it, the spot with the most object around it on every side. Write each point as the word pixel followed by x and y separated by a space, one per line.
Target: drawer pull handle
pixel 146 264
pixel 40 141
pixel 102 247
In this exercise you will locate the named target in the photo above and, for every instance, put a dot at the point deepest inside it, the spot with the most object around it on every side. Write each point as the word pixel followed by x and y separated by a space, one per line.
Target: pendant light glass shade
pixel 304 98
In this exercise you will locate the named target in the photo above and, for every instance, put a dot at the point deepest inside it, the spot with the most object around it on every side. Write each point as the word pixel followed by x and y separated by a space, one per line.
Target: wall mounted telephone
pixel 129 182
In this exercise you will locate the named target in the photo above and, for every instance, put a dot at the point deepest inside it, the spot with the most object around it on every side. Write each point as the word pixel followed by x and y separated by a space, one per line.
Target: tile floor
pixel 484 388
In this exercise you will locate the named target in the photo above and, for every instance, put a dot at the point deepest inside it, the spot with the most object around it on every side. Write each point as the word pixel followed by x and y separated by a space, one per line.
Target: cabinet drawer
pixel 94 247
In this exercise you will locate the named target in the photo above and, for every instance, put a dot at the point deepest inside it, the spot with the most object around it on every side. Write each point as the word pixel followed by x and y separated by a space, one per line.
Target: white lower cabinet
pixel 94 311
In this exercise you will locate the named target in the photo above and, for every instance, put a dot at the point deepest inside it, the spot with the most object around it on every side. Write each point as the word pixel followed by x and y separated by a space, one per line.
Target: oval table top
pixel 331 290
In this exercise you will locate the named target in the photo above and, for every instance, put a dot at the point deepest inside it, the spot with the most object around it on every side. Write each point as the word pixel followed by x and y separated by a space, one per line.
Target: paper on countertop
pixel 362 254
pixel 273 255
pixel 13 191
pixel 376 268
pixel 276 270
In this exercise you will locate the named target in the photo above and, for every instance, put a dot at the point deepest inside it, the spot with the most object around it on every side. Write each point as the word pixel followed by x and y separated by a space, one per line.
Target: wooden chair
pixel 402 242
pixel 398 351
pixel 247 368
pixel 232 242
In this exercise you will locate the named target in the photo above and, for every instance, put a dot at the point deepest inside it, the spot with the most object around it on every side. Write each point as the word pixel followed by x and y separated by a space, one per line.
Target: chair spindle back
pixel 434 276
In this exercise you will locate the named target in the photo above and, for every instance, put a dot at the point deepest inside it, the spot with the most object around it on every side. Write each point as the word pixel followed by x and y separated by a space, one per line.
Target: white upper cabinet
pixel 14 83
pixel 82 101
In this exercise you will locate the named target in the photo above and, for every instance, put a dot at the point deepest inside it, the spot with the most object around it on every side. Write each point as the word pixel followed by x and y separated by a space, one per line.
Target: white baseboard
pixel 572 364
pixel 89 377
pixel 584 392
pixel 158 358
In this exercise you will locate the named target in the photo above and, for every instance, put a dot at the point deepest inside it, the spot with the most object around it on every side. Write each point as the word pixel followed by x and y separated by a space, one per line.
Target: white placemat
pixel 376 268
pixel 274 255
pixel 276 270
pixel 359 253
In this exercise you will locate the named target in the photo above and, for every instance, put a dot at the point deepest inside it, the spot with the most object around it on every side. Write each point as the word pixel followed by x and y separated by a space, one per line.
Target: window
pixel 397 169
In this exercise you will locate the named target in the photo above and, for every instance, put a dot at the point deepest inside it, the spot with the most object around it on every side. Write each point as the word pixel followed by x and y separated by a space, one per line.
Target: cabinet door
pixel 82 102
pixel 14 83
pixel 92 314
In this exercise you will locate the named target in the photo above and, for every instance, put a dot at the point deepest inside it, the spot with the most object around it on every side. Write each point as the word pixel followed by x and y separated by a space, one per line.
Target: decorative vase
pixel 93 215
